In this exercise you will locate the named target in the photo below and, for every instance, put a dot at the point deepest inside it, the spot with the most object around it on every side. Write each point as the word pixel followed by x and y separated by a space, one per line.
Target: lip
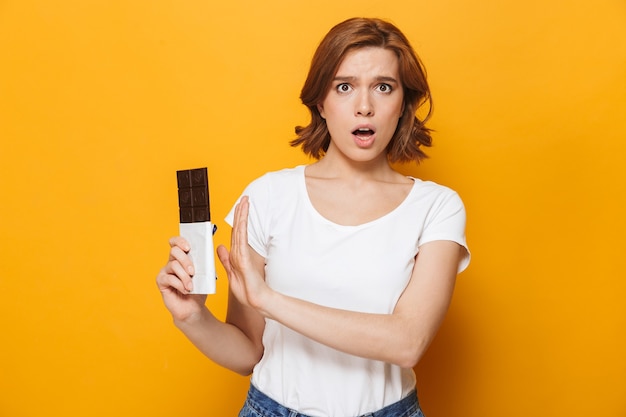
pixel 364 126
pixel 368 141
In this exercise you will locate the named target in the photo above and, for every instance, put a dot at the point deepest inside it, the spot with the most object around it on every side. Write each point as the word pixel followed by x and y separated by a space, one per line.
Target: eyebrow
pixel 378 78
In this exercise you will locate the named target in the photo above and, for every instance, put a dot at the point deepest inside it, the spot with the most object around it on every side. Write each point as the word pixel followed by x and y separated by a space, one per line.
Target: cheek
pixel 394 115
pixel 333 114
pixel 334 128
pixel 392 125
pixel 396 112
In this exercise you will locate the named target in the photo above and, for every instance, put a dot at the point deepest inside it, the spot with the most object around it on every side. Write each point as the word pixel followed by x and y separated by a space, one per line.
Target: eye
pixel 384 88
pixel 343 88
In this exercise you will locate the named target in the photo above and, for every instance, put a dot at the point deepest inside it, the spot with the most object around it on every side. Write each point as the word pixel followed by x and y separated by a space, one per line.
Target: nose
pixel 364 105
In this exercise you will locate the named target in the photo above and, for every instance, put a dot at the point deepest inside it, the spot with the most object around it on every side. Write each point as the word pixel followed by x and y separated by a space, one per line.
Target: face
pixel 364 104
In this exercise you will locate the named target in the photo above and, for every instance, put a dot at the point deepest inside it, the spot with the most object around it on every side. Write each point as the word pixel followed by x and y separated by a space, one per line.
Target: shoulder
pixel 281 177
pixel 275 186
pixel 268 191
pixel 434 193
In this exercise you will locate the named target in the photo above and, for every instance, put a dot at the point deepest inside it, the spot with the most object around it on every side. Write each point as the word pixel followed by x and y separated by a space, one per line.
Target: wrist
pixel 191 319
pixel 268 303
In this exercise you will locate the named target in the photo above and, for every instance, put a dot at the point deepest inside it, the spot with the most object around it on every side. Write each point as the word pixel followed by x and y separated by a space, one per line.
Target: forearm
pixel 392 338
pixel 223 343
pixel 401 337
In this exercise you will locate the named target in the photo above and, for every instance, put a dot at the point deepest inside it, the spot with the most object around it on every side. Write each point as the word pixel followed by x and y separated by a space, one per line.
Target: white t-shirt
pixel 361 268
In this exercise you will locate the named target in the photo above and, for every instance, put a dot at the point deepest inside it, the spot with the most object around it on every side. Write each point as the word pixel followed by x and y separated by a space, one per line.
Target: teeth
pixel 363 131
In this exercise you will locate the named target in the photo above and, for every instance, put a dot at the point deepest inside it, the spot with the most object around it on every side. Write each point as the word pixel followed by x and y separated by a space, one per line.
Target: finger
pixel 243 216
pixel 177 254
pixel 167 281
pixel 181 273
pixel 177 270
pixel 240 233
pixel 180 242
pixel 241 208
pixel 233 236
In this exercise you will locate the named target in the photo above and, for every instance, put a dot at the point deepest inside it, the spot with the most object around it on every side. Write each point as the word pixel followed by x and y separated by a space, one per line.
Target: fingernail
pixel 190 286
pixel 190 269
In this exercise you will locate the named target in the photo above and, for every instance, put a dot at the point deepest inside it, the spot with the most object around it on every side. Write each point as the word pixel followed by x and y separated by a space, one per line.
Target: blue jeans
pixel 260 405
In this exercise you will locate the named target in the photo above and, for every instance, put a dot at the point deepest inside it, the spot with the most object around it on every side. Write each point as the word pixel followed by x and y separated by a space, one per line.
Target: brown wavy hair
pixel 355 33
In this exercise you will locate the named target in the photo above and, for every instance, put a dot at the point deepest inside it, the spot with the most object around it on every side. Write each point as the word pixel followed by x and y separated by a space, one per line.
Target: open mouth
pixel 363 133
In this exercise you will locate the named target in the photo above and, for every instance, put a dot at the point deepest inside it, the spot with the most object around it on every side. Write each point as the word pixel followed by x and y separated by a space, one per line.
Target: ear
pixel 320 108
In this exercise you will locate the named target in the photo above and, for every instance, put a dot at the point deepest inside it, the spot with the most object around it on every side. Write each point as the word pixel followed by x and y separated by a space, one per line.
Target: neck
pixel 336 165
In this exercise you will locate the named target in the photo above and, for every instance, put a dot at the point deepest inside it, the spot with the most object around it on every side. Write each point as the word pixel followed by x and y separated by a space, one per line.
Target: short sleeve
pixel 258 195
pixel 446 221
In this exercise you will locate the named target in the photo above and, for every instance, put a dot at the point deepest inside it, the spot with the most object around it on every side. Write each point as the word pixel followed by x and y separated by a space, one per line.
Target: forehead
pixel 369 61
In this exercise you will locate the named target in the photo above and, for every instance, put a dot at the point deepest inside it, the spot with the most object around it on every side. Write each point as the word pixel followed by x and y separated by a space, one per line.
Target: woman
pixel 340 271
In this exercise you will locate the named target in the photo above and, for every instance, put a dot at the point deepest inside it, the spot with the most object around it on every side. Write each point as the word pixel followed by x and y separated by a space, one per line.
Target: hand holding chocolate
pixel 196 227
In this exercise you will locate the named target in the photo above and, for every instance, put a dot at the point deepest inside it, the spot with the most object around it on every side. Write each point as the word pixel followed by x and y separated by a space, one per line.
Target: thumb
pixel 224 256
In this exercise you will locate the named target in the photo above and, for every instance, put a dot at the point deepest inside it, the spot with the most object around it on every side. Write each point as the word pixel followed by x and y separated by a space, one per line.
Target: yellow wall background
pixel 101 101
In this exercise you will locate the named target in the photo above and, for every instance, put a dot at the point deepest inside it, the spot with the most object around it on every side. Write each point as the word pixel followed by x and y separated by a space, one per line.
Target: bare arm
pixel 400 338
pixel 235 344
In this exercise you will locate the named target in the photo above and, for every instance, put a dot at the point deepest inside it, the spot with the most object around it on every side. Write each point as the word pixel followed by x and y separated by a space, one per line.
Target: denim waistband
pixel 267 407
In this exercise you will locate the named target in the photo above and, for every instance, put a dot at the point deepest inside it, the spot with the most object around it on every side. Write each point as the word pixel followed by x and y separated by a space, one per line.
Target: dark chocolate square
pixel 201 214
pixel 184 179
pixel 185 197
pixel 199 197
pixel 199 177
pixel 186 215
pixel 193 195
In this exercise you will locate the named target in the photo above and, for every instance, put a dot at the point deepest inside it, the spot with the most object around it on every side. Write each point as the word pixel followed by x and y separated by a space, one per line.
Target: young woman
pixel 340 271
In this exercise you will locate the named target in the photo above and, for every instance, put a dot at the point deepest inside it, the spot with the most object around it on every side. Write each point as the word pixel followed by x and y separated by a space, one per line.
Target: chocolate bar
pixel 195 226
pixel 193 195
